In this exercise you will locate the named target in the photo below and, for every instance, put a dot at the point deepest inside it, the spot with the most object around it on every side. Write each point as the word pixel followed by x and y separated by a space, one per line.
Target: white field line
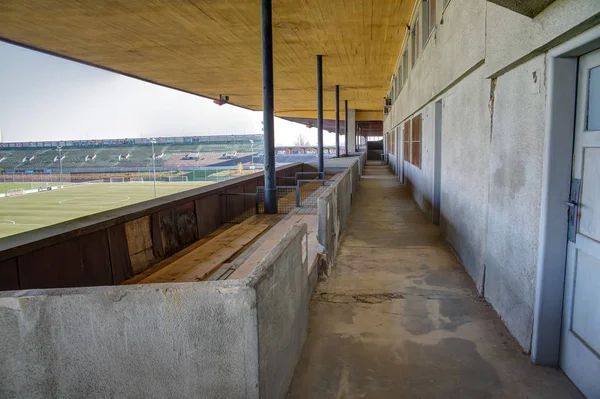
pixel 124 199
pixel 13 223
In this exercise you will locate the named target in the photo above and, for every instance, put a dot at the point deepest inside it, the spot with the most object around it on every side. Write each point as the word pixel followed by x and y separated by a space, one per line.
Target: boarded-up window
pixel 392 142
pixel 407 141
pixel 414 37
pixel 405 66
pixel 415 151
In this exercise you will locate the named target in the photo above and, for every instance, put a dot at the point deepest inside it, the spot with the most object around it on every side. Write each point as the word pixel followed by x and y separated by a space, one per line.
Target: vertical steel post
pixel 320 113
pixel 346 126
pixel 337 121
pixel 268 107
pixel 153 165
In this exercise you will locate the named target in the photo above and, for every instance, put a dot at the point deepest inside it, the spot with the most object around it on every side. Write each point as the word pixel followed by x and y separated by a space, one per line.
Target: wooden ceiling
pixel 212 47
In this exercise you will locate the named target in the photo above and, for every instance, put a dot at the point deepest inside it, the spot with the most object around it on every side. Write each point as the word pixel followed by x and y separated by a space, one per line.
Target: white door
pixel 580 347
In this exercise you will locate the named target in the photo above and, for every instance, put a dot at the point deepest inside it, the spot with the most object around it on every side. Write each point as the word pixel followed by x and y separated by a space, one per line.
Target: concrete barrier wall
pixel 282 297
pixel 333 212
pixel 217 339
pixel 110 247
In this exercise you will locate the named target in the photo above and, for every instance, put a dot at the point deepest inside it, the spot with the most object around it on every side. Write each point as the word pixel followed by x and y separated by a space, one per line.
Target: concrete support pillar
pixel 351 130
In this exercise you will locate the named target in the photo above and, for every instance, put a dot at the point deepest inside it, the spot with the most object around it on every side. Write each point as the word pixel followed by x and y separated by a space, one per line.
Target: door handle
pixel 571 204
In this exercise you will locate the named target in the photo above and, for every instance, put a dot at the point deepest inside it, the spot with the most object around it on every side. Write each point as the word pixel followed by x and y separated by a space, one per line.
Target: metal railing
pixel 240 205
pixel 286 199
pixel 308 191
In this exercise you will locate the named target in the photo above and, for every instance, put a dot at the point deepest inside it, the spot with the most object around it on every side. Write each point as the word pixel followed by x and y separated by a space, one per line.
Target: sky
pixel 44 98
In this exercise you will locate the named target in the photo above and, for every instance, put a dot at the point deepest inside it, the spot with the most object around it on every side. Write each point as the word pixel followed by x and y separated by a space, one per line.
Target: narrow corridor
pixel 399 317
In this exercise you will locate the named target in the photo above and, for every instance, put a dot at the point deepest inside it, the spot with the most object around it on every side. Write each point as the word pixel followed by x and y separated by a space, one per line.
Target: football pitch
pixel 39 209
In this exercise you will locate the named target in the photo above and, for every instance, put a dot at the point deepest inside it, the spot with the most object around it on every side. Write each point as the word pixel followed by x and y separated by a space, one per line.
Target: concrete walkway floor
pixel 400 318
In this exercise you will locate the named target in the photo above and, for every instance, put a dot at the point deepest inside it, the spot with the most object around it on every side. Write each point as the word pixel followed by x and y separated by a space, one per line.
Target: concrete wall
pixel 487 66
pixel 232 339
pixel 111 247
pixel 351 137
pixel 282 297
pixel 333 211
pixel 514 195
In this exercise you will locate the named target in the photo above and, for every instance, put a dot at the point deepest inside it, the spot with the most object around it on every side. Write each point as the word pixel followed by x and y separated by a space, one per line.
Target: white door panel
pixel 580 346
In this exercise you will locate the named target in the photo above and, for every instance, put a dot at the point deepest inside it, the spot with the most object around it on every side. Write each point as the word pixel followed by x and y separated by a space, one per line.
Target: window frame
pixel 405 67
pixel 407 131
pixel 416 162
pixel 414 40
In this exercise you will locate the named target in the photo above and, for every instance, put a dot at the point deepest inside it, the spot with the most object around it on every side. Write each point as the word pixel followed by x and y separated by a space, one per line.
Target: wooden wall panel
pixel 95 259
pixel 208 214
pixel 178 227
pixel 9 275
pixel 119 254
pixel 52 267
pixel 139 243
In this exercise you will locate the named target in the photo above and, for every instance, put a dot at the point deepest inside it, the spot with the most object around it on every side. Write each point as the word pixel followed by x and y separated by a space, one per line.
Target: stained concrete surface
pixel 399 317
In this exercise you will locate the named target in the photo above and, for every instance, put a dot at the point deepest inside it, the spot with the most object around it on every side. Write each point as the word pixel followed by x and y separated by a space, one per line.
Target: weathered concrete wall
pixel 351 130
pixel 465 176
pixel 492 139
pixel 282 297
pixel 461 39
pixel 231 339
pixel 168 340
pixel 514 199
pixel 333 211
pixel 512 39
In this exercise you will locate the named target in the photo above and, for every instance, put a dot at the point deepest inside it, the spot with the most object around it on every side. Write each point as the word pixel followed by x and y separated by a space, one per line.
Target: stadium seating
pixel 140 155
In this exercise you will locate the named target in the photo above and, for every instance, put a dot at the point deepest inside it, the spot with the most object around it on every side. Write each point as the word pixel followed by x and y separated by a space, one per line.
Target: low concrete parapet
pixel 231 339
pixel 333 212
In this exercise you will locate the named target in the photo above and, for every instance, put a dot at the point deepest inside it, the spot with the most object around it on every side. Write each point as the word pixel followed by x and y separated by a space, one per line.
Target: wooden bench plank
pixel 166 262
pixel 274 235
pixel 213 252
pixel 205 268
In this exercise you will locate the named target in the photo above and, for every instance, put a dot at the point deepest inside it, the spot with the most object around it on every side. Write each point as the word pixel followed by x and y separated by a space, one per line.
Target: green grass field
pixel 35 210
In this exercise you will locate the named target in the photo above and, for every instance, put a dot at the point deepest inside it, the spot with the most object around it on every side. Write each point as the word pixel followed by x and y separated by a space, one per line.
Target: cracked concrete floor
pixel 400 318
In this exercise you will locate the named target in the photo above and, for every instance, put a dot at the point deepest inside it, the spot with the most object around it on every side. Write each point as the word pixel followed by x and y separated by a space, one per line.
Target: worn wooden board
pixel 55 266
pixel 139 243
pixel 272 238
pixel 153 269
pixel 95 259
pixel 9 275
pixel 208 256
pixel 119 254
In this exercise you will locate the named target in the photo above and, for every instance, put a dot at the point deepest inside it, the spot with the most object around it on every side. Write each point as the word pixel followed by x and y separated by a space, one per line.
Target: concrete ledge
pixel 235 338
pixel 333 211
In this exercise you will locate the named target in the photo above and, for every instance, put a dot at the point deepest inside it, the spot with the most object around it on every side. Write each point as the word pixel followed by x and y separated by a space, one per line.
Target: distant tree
pixel 301 141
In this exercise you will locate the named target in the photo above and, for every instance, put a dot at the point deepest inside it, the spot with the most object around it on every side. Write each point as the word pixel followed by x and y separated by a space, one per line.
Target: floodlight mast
pixel 59 148
pixel 252 150
pixel 153 141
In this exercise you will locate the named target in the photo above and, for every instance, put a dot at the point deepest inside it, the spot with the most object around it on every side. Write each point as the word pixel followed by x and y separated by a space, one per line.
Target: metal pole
pixel 60 162
pixel 252 155
pixel 320 113
pixel 153 166
pixel 337 121
pixel 268 107
pixel 346 126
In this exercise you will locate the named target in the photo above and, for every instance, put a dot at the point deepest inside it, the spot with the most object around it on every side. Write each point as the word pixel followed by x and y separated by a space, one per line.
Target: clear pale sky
pixel 48 98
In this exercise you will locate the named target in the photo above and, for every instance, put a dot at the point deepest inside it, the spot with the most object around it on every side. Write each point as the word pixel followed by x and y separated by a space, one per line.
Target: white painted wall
pixel 351 120
pixel 491 144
